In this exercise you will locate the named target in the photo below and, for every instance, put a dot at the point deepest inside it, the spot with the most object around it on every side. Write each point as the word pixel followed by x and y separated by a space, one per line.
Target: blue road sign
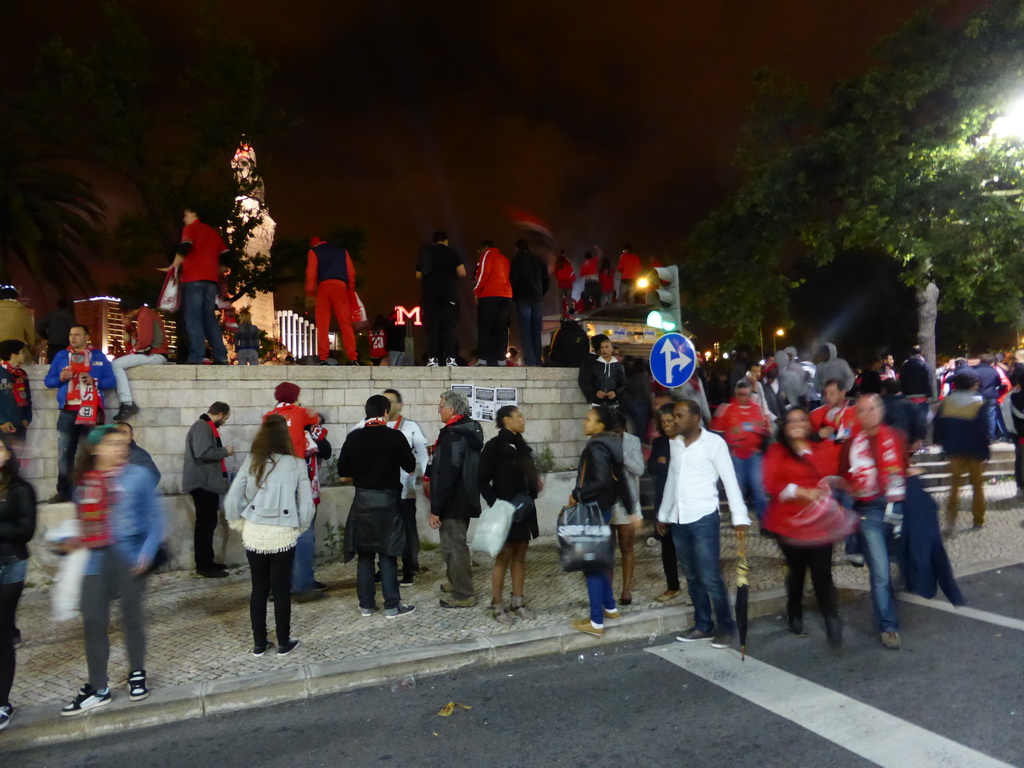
pixel 673 360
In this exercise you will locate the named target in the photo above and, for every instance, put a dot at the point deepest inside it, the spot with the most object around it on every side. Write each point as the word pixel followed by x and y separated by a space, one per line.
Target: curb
pixel 42 725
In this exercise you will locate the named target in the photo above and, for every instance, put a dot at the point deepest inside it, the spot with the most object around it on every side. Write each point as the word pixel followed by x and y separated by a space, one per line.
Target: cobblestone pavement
pixel 199 629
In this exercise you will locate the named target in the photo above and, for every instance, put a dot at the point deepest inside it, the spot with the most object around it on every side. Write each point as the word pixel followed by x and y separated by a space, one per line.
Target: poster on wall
pixel 487 400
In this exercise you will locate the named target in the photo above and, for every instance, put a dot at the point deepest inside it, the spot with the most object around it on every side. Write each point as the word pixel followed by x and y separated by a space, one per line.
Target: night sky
pixel 613 122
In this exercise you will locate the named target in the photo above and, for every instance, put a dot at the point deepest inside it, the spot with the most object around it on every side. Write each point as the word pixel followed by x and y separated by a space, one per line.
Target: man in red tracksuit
pixel 493 292
pixel 331 286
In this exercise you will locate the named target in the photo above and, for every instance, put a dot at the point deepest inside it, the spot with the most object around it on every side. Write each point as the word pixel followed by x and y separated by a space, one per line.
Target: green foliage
pixel 170 139
pixel 545 460
pixel 894 162
pixel 333 542
pixel 48 217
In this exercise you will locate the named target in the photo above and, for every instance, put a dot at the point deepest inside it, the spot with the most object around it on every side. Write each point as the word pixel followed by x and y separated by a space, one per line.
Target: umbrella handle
pixel 741 543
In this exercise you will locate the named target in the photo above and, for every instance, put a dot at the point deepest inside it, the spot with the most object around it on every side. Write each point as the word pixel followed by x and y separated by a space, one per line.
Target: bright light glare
pixel 668 325
pixel 654 319
pixel 643 283
pixel 780 332
pixel 1010 125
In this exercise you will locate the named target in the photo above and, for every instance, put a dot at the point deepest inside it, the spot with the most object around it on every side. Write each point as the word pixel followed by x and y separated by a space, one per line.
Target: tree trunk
pixel 927 314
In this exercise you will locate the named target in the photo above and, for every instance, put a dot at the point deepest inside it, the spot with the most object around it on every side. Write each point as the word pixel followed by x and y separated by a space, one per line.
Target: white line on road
pixel 871 733
pixel 970 613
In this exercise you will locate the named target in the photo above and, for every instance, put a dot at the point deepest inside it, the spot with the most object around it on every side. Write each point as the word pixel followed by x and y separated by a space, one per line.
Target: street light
pixel 780 332
pixel 643 283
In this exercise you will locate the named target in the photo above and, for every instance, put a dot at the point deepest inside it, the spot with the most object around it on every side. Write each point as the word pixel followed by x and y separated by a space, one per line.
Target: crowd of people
pixel 783 436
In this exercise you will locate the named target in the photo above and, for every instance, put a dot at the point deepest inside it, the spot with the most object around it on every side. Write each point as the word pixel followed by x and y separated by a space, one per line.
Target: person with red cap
pixel 331 287
pixel 305 587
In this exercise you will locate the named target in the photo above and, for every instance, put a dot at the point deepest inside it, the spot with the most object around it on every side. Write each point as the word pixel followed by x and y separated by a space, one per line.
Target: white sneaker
pixel 451 363
pixel 432 362
pixel 87 698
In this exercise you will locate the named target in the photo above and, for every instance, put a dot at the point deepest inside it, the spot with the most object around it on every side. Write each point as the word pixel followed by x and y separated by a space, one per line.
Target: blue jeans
pixel 14 573
pixel 874 536
pixel 302 567
pixel 531 316
pixel 995 419
pixel 366 590
pixel 68 435
pixel 698 549
pixel 201 323
pixel 599 588
pixel 751 481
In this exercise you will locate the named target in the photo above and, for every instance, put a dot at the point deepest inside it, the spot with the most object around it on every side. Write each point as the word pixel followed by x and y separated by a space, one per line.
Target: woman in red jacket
pixel 565 275
pixel 792 472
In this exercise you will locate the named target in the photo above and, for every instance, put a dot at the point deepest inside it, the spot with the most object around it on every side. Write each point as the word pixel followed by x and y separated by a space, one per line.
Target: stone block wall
pixel 172 397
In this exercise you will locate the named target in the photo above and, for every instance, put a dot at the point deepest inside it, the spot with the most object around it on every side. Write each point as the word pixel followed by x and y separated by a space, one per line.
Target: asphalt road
pixel 956 685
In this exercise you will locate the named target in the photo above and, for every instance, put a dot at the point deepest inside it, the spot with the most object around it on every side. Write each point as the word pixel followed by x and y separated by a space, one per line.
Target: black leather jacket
pixel 454 469
pixel 600 476
pixel 17 520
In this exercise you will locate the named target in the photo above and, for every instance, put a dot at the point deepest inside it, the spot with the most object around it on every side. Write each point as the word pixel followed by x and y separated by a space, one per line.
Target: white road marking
pixel 967 612
pixel 882 738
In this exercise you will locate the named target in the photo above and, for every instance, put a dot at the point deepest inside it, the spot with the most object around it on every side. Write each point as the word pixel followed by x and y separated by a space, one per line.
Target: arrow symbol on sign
pixel 675 358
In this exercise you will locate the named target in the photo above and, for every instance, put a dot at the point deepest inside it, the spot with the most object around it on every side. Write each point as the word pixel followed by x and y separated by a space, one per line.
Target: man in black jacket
pixel 372 458
pixel 991 388
pixel 439 269
pixel 451 484
pixel 917 383
pixel 529 278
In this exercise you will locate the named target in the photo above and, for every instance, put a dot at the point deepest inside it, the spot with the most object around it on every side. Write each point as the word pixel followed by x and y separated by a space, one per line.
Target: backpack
pixel 570 345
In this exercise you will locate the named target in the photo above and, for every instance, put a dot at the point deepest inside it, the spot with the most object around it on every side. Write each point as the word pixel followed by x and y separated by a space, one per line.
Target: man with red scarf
pixel 15 395
pixel 79 373
pixel 873 462
pixel 744 426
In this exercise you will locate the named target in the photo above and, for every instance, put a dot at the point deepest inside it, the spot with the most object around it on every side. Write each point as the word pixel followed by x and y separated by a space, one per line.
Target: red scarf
pixel 19 381
pixel 82 393
pixel 97 495
pixel 217 440
pixel 876 466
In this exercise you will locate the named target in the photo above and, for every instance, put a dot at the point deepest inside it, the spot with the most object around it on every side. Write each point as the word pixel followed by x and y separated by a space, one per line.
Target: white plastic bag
pixel 492 528
pixel 67 591
pixel 170 293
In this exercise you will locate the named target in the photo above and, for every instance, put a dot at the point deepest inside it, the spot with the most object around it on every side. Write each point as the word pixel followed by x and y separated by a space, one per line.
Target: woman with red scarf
pixel 793 469
pixel 122 525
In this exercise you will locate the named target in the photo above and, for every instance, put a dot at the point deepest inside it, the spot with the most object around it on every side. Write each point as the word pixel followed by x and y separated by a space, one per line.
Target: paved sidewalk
pixel 199 629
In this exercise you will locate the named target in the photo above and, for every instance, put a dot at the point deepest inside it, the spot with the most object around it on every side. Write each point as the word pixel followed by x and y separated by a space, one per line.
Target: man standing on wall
pixel 331 287
pixel 199 258
pixel 530 282
pixel 205 478
pixel 439 269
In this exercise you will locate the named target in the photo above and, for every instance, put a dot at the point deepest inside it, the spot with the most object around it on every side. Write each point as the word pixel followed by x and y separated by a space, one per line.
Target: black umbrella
pixel 742 593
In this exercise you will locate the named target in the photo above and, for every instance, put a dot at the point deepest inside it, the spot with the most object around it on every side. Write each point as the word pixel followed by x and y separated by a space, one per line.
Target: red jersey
pixel 378 346
pixel 203 261
pixel 588 268
pixel 781 469
pixel 844 421
pixel 492 275
pixel 744 427
pixel 298 419
pixel 629 266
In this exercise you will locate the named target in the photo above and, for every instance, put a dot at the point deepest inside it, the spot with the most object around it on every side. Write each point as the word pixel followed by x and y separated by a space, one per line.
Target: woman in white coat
pixel 271 503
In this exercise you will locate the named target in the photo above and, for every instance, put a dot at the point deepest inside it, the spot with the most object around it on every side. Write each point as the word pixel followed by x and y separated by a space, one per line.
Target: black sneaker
pixel 402 610
pixel 211 573
pixel 126 411
pixel 137 689
pixel 259 650
pixel 6 713
pixel 324 362
pixel 319 586
pixel 721 640
pixel 353 362
pixel 87 699
pixel 692 635
pixel 407 581
pixel 286 648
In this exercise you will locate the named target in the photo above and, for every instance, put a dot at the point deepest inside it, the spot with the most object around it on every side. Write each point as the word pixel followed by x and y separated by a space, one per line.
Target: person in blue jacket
pixel 79 373
pixel 122 526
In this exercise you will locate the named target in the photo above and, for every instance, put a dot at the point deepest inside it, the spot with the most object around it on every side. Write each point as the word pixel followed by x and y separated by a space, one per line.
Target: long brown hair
pixel 273 438
pixel 10 472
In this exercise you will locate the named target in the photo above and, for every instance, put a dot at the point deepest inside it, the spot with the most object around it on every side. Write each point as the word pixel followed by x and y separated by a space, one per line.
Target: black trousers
pixel 669 561
pixel 207 509
pixel 1018 462
pixel 9 596
pixel 440 318
pixel 817 559
pixel 493 313
pixel 271 573
pixel 411 553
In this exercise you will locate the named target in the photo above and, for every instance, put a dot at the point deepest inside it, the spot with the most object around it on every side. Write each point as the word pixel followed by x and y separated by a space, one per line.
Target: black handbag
pixel 585 540
pixel 524 507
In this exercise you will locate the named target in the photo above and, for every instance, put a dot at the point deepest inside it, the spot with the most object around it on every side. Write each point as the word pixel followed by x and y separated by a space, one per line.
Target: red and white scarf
pixel 19 380
pixel 876 466
pixel 97 495
pixel 82 393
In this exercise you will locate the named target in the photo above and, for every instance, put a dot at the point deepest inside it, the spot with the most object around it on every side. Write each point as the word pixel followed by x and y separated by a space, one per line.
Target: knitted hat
pixel 286 392
pixel 96 434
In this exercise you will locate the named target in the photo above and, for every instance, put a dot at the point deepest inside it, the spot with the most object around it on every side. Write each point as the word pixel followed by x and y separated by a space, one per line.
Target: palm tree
pixel 48 218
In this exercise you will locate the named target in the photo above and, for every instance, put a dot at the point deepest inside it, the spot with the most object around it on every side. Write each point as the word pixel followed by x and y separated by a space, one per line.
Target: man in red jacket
pixel 199 258
pixel 493 295
pixel 743 424
pixel 147 345
pixel 331 286
pixel 629 270
pixel 834 422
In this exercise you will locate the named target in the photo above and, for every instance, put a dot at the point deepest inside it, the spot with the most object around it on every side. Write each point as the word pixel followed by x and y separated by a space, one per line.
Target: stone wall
pixel 172 397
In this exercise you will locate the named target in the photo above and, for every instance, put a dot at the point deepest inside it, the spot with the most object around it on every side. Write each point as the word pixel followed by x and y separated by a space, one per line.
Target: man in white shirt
pixel 414 434
pixel 689 510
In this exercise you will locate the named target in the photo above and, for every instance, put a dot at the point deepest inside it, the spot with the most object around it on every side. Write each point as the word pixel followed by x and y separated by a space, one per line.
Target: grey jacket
pixel 285 497
pixel 203 459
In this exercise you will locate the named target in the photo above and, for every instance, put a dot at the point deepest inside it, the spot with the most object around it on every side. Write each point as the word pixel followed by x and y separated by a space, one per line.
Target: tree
pixel 170 136
pixel 898 160
pixel 48 217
